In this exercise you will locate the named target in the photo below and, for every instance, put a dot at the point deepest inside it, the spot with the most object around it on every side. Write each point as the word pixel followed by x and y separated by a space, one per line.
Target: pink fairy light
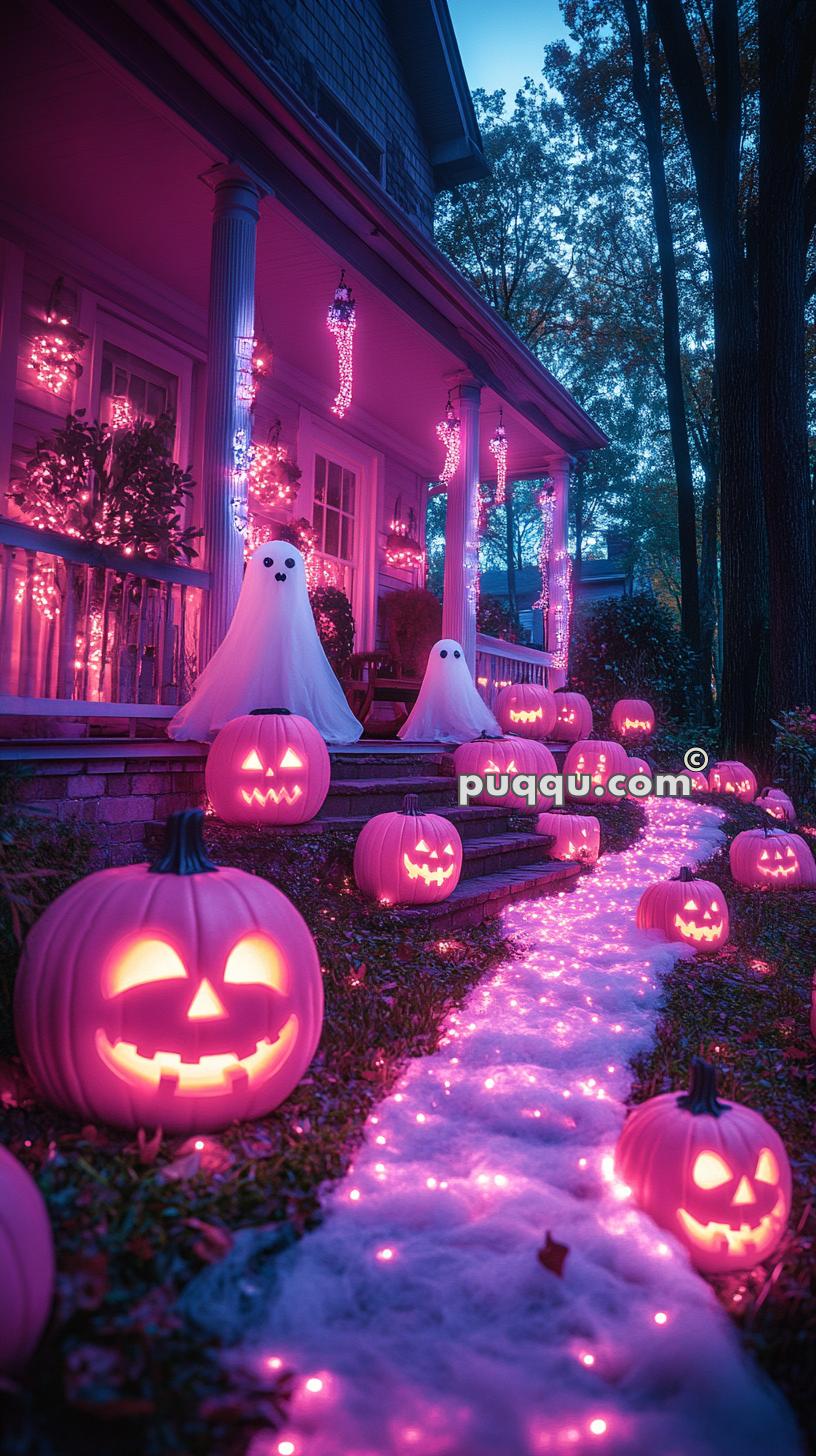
pixel 55 349
pixel 449 431
pixel 498 449
pixel 342 321
pixel 546 502
pixel 122 413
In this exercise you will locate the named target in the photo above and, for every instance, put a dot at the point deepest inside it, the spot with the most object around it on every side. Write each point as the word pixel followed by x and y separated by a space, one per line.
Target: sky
pixel 502 41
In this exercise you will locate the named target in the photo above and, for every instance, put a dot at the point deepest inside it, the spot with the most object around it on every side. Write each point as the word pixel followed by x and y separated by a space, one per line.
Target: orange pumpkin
pixel 633 718
pixel 714 1173
pixel 495 757
pixel 576 837
pixel 269 766
pixel 408 858
pixel 573 717
pixel 526 709
pixel 685 909
pixel 596 759
pixel 776 803
pixel 732 777
pixel 772 859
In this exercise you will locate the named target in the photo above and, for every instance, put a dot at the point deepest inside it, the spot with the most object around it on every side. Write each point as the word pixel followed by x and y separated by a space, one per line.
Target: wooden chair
pixel 376 677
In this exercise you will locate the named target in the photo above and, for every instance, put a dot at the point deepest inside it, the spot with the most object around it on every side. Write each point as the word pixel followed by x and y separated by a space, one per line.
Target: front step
pixel 351 798
pixel 486 896
pixel 499 853
pixel 473 821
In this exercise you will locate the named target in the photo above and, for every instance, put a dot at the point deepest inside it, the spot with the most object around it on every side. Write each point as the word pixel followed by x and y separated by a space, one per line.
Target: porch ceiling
pixel 89 150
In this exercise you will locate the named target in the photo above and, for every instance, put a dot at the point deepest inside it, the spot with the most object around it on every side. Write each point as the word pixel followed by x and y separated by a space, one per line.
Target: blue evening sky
pixel 502 41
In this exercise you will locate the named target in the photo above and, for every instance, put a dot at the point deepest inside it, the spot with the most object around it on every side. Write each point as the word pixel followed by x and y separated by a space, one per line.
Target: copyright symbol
pixel 695 759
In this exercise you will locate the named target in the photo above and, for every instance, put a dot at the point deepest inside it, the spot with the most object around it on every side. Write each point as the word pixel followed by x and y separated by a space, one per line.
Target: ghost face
pixel 283 563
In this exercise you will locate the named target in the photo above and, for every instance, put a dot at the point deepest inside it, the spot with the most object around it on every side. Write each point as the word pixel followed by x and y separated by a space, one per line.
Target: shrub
pixel 412 622
pixel 493 618
pixel 795 755
pixel 335 624
pixel 631 646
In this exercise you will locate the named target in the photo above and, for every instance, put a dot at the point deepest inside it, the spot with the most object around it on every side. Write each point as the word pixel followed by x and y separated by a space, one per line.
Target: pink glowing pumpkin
pixel 699 782
pixel 496 757
pixel 638 766
pixel 26 1264
pixel 732 777
pixel 633 718
pixel 268 767
pixel 714 1173
pixel 408 858
pixel 685 909
pixel 776 803
pixel 573 717
pixel 772 859
pixel 576 837
pixel 195 993
pixel 597 759
pixel 526 709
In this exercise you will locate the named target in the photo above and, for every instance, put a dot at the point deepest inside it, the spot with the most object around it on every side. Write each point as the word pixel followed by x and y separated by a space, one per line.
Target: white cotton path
pixel 417 1317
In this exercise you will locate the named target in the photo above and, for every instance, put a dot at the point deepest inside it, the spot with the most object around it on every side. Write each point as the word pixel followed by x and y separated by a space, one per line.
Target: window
pixel 350 132
pixel 149 390
pixel 335 490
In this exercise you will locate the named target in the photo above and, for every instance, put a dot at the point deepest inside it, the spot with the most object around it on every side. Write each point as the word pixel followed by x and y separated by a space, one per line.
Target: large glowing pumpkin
pixel 573 717
pixel 714 1173
pixel 26 1264
pixel 633 718
pixel 688 910
pixel 268 767
pixel 776 803
pixel 527 709
pixel 732 777
pixel 175 994
pixel 408 858
pixel 576 837
pixel 497 758
pixel 772 859
pixel 596 759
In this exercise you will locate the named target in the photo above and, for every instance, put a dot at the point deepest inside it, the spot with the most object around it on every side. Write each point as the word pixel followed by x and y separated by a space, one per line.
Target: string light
pixel 122 413
pixel 54 359
pixel 498 449
pixel 546 505
pixel 449 431
pixel 402 548
pixel 342 321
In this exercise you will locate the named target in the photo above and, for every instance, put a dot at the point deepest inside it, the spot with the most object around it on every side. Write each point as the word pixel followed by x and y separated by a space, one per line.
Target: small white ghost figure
pixel 271 657
pixel 449 708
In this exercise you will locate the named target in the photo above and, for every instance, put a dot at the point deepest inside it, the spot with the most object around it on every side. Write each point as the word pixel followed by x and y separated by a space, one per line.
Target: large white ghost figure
pixel 448 709
pixel 271 657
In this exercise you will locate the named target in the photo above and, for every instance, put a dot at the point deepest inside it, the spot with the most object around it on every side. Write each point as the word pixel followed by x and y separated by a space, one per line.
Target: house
pixel 597 579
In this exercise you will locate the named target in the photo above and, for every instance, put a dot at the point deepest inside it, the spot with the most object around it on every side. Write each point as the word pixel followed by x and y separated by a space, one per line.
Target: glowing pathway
pixel 418 1318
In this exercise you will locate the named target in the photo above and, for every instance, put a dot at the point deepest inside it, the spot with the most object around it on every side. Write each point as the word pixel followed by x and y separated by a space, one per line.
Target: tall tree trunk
pixel 512 605
pixel 577 495
pixel 787 45
pixel 714 145
pixel 646 87
pixel 709 586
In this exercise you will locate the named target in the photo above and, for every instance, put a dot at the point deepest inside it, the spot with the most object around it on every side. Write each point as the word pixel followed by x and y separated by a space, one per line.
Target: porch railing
pixel 90 625
pixel 500 663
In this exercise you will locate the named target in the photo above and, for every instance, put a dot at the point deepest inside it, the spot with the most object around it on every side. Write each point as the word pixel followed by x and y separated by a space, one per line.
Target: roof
pixel 424 39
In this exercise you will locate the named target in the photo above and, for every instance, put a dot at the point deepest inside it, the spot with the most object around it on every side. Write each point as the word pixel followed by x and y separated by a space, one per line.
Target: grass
pixel 747 1009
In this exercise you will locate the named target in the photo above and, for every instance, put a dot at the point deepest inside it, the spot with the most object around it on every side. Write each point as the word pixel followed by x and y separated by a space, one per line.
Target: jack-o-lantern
pixel 776 803
pixel 638 766
pixel 576 837
pixel 772 859
pixel 573 717
pixel 176 995
pixel 408 858
pixel 268 767
pixel 699 782
pixel 26 1264
pixel 732 777
pixel 496 757
pixel 691 911
pixel 714 1173
pixel 633 718
pixel 526 709
pixel 597 759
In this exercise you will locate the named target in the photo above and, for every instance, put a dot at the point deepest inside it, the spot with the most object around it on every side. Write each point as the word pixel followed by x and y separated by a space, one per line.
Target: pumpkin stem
pixel 702 1092
pixel 183 852
pixel 410 804
pixel 686 873
pixel 264 712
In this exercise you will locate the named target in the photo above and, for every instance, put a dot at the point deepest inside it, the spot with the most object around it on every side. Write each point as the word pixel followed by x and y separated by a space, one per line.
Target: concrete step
pixel 473 821
pixel 487 895
pixel 354 797
pixel 373 765
pixel 498 853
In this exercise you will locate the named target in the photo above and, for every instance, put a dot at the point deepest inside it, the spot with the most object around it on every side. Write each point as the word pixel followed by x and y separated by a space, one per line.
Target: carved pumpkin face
pixel 497 757
pixel 714 1173
pixel 408 858
pixel 777 805
pixel 526 709
pixel 691 911
pixel 196 999
pixel 699 782
pixel 732 777
pixel 633 718
pixel 772 859
pixel 597 759
pixel 576 837
pixel 268 767
pixel 26 1264
pixel 573 717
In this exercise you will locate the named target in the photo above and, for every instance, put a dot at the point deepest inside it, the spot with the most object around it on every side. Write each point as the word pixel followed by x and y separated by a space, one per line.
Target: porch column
pixel 558 623
pixel 461 584
pixel 227 424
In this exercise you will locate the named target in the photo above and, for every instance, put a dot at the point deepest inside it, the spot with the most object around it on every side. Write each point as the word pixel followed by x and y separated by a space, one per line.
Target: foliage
pixel 493 618
pixel 334 620
pixel 795 755
pixel 123 490
pixel 747 1009
pixel 412 622
pixel 631 646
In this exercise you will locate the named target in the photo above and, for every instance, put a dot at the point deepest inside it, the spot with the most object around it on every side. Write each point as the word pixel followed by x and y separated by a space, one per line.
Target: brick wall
pixel 346 47
pixel 115 798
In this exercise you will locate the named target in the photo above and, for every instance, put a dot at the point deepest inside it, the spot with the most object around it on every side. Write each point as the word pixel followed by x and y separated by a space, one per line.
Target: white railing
pixel 88 625
pixel 500 663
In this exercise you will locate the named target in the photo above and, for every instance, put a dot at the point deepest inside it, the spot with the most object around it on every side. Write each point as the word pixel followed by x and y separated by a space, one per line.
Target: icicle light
pixel 498 449
pixel 342 321
pixel 449 431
